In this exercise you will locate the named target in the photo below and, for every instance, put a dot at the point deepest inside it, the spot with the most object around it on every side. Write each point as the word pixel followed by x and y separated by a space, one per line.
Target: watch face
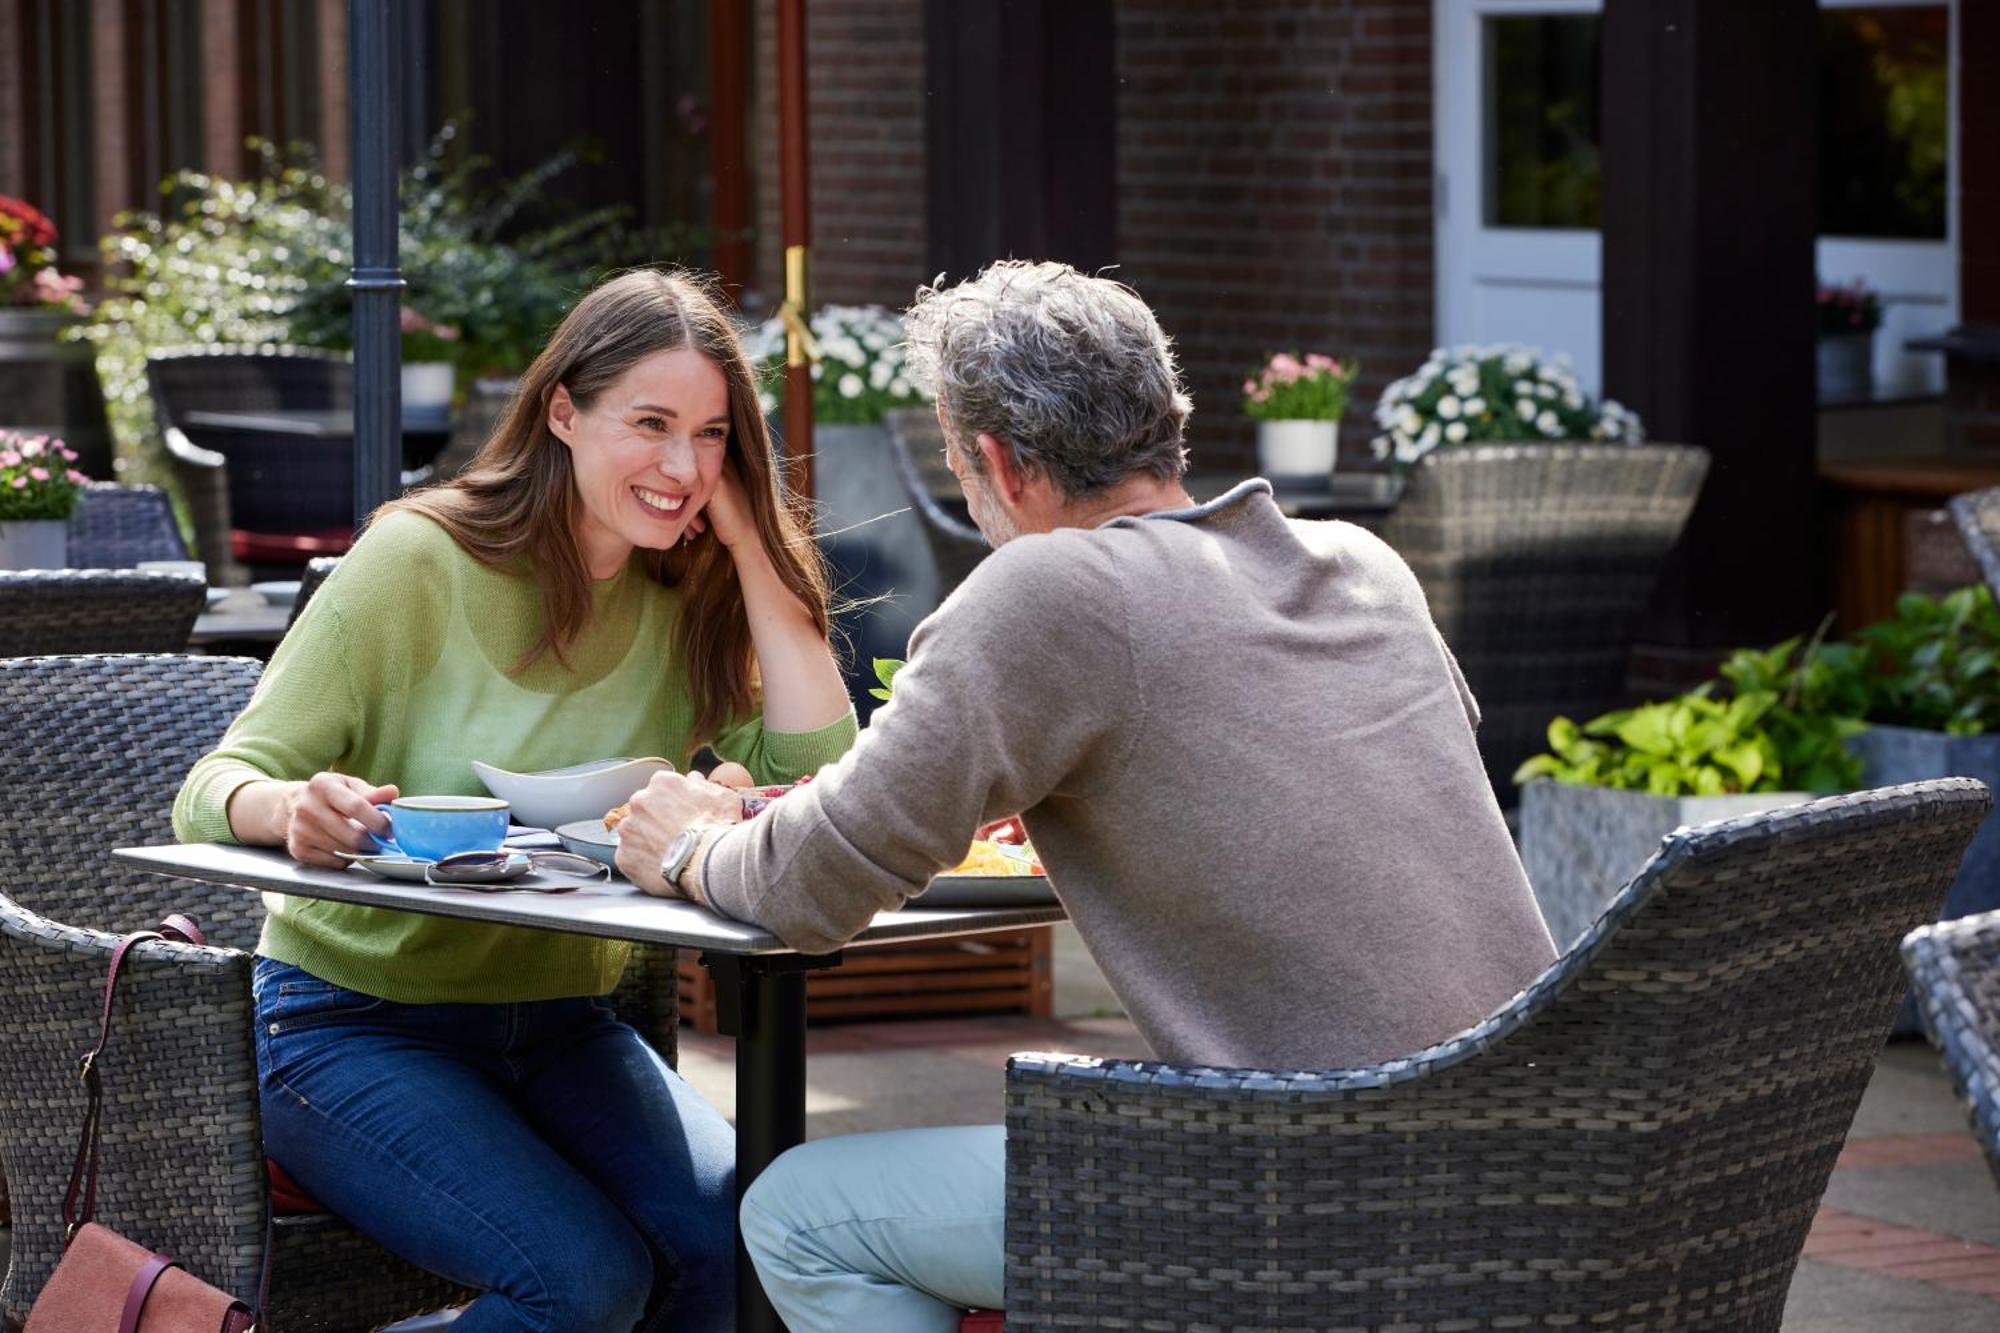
pixel 677 855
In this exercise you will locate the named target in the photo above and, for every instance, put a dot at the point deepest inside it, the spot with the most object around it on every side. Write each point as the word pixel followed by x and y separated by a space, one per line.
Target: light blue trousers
pixel 899 1232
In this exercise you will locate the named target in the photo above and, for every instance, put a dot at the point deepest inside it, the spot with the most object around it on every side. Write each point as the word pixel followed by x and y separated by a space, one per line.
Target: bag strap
pixel 80 1200
pixel 141 1291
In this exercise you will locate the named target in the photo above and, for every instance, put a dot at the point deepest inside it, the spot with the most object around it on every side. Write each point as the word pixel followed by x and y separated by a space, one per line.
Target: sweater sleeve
pixel 1012 695
pixel 356 640
pixel 785 756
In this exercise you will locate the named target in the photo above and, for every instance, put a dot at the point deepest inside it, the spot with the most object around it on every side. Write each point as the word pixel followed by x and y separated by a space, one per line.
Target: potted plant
pixel 39 490
pixel 1297 402
pixel 429 348
pixel 1537 526
pixel 1848 318
pixel 48 381
pixel 1595 805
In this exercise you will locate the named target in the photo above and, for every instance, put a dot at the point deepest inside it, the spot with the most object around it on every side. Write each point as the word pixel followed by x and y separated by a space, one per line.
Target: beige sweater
pixel 1245 757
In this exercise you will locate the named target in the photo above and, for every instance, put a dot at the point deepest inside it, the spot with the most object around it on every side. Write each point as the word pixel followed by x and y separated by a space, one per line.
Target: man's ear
pixel 1007 477
pixel 562 415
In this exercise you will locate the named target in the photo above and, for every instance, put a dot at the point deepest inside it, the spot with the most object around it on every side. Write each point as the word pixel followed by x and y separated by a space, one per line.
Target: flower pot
pixel 40 543
pixel 426 392
pixel 1846 365
pixel 48 385
pixel 1297 450
pixel 1581 845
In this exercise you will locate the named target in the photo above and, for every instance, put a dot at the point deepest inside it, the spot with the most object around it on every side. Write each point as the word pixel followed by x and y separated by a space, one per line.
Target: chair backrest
pixel 97 611
pixel 1639 1139
pixel 246 379
pixel 96 752
pixel 1538 561
pixel 918 443
pixel 1977 514
pixel 316 572
pixel 182 1167
pixel 115 527
pixel 1955 966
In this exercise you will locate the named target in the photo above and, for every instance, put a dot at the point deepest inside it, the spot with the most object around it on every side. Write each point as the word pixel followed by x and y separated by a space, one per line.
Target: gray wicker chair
pixel 1955 966
pixel 1639 1140
pixel 97 611
pixel 317 569
pixel 98 747
pixel 1538 561
pixel 1977 514
pixel 118 526
pixel 956 546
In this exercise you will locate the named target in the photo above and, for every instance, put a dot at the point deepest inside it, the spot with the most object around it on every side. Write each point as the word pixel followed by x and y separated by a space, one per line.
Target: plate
pixel 217 596
pixel 559 796
pixel 954 891
pixel 277 594
pixel 589 837
pixel 411 869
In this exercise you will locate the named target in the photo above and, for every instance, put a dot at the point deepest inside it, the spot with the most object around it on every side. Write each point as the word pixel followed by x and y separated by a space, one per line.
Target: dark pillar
pixel 377 282
pixel 1022 131
pixel 1709 222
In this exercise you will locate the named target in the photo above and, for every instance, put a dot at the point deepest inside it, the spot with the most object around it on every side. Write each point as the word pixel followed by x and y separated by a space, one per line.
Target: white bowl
pixel 566 795
pixel 277 594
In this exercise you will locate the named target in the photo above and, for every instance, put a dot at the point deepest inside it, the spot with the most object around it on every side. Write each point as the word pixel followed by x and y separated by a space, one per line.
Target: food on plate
pixel 997 860
pixel 755 799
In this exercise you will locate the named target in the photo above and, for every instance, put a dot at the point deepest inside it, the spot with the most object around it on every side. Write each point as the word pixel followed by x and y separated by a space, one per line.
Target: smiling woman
pixel 615 573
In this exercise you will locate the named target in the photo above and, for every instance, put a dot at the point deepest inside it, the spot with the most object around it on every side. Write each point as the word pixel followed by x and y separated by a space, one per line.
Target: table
pixel 1359 497
pixel 242 617
pixel 765 978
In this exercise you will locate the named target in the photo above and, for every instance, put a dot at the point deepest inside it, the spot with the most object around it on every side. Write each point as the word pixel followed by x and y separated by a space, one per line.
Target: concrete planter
pixel 41 543
pixel 1297 449
pixel 1894 755
pixel 1581 845
pixel 1846 364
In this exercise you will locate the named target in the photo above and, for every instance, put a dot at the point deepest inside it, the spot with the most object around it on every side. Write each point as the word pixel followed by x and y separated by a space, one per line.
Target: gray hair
pixel 1071 372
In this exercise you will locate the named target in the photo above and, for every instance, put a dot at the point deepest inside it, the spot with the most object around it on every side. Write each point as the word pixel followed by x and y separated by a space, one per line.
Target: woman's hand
pixel 312 820
pixel 727 513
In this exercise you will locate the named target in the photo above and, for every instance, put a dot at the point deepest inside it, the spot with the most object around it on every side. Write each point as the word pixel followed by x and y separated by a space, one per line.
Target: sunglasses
pixel 495 871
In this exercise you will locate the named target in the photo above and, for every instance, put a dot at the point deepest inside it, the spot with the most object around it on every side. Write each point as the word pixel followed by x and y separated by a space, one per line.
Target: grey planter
pixel 1581 845
pixel 1892 755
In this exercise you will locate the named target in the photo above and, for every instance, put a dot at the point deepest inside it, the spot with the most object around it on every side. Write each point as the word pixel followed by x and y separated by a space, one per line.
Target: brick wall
pixel 866 113
pixel 1274 183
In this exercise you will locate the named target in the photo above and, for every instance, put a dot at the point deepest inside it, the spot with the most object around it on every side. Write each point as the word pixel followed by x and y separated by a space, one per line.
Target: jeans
pixel 540 1153
pixel 899 1232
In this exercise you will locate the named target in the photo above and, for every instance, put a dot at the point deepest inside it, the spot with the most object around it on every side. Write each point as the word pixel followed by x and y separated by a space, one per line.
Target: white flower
pixel 1448 407
pixel 878 376
pixel 1545 390
pixel 1409 421
pixel 1429 438
pixel 1547 423
pixel 1572 400
pixel 1525 409
pixel 850 385
pixel 819 370
pixel 1474 406
pixel 1455 432
pixel 899 387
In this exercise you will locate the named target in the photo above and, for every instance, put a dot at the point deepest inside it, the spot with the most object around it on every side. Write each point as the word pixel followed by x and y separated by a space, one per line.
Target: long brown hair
pixel 517 500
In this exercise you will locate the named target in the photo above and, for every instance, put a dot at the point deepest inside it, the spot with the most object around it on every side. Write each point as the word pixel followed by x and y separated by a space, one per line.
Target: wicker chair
pixel 956 546
pixel 1977 514
pixel 118 526
pixel 98 748
pixel 316 571
pixel 97 611
pixel 1955 966
pixel 1538 560
pixel 1639 1140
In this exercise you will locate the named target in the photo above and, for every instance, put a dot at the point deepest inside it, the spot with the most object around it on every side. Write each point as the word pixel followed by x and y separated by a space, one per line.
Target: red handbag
pixel 104 1282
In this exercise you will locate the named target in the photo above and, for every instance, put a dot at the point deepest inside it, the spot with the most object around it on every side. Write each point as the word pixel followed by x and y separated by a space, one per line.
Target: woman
pixel 615 574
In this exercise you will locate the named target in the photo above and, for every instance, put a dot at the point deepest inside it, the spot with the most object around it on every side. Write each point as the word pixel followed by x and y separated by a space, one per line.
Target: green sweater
pixel 398 671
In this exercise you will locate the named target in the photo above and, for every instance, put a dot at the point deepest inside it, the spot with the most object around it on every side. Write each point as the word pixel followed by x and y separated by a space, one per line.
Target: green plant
pixel 858 376
pixel 1935 664
pixel 1773 730
pixel 1472 394
pixel 885 671
pixel 36 479
pixel 427 340
pixel 1294 388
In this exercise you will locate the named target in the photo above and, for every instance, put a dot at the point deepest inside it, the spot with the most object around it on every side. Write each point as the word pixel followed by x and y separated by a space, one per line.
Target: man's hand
pixel 669 803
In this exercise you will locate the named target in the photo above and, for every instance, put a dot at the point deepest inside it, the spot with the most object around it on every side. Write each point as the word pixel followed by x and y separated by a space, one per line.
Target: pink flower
pixel 39 473
pixel 33 448
pixel 1249 386
pixel 77 477
pixel 10 459
pixel 20 483
pixel 6 260
pixel 69 454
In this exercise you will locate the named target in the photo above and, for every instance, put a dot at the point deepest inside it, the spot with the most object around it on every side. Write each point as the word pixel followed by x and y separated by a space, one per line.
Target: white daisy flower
pixel 1448 407
pixel 1455 432
pixel 1547 423
pixel 850 385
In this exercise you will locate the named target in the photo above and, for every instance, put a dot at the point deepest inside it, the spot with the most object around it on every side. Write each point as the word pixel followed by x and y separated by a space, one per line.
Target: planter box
pixel 1002 972
pixel 1894 755
pixel 1581 845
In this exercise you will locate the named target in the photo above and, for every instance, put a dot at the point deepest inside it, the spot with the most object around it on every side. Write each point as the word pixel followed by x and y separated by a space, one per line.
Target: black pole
pixel 374 96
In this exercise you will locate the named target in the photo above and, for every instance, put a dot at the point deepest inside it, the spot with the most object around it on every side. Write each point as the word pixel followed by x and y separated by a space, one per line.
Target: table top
pixel 243 615
pixel 316 423
pixel 1922 476
pixel 618 910
pixel 1338 495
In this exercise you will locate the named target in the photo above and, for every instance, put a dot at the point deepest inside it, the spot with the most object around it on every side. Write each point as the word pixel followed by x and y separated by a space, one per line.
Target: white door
pixel 1518 253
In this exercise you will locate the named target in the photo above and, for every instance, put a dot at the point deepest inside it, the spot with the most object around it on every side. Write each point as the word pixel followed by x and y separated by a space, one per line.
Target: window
pixel 1541 121
pixel 1884 108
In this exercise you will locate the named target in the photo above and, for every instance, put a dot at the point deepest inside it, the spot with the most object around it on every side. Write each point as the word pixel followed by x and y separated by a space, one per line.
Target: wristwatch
pixel 679 853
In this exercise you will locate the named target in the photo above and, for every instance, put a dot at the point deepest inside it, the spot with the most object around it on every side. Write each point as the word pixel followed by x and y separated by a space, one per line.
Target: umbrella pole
pixel 796 230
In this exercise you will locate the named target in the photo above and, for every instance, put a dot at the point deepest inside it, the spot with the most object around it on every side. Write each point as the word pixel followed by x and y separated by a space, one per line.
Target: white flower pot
pixel 427 388
pixel 1297 449
pixel 40 543
pixel 1846 365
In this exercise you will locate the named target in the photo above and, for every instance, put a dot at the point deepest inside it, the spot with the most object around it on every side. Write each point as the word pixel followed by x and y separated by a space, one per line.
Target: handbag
pixel 105 1283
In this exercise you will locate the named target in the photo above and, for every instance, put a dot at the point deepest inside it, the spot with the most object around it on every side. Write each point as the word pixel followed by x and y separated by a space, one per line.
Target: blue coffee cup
pixel 431 828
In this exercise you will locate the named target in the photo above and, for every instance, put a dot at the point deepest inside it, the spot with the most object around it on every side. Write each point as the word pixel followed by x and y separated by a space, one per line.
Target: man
pixel 1238 743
